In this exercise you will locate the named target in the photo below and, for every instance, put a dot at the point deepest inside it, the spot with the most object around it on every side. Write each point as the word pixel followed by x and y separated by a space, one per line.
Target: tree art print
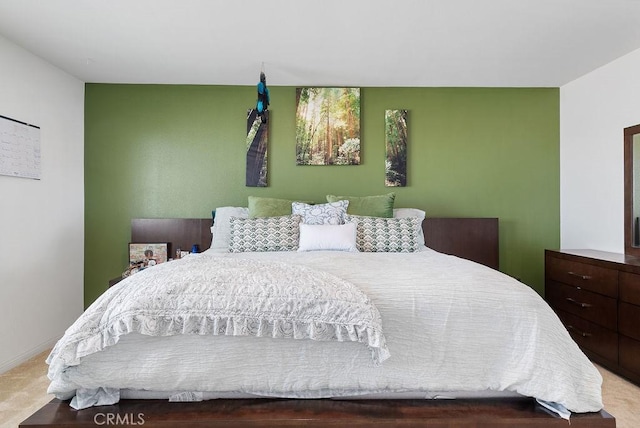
pixel 328 126
pixel 396 136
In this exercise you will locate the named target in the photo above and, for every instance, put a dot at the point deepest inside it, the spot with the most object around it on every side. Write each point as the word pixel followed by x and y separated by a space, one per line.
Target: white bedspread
pixel 225 296
pixel 450 325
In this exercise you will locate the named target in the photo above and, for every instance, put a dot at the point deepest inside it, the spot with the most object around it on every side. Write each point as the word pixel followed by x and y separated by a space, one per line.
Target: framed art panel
pixel 328 126
pixel 257 139
pixel 396 135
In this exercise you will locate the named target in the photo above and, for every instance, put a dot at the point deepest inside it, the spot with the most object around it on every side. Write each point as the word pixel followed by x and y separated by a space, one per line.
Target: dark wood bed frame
pixel 472 238
pixel 273 413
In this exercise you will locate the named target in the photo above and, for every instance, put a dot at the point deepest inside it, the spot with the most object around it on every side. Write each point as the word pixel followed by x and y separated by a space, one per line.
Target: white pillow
pixel 408 212
pixel 329 213
pixel 412 212
pixel 327 237
pixel 221 228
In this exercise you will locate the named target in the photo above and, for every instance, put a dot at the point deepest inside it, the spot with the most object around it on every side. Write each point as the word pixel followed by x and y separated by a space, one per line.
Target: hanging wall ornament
pixel 263 97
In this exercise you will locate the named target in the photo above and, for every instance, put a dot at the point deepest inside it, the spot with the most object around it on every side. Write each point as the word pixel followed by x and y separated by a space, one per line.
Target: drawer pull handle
pixel 575 302
pixel 584 277
pixel 575 330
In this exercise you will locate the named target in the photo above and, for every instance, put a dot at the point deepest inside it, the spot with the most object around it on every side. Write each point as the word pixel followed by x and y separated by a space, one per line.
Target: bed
pixel 372 337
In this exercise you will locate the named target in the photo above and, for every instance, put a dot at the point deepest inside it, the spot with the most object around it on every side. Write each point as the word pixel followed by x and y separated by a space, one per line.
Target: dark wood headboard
pixel 178 232
pixel 470 238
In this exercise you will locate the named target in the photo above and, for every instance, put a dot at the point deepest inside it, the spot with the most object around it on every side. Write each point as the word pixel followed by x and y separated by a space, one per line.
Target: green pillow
pixel 371 206
pixel 268 207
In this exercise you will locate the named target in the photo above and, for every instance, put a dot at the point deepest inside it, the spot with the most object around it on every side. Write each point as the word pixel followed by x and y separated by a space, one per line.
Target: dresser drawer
pixel 629 288
pixel 629 320
pixel 592 337
pixel 593 278
pixel 629 354
pixel 595 307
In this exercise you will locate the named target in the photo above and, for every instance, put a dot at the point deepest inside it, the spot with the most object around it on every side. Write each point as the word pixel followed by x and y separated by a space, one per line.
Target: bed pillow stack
pixel 344 223
pixel 323 227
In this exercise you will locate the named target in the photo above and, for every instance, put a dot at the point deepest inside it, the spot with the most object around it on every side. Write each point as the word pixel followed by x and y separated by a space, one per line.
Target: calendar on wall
pixel 19 149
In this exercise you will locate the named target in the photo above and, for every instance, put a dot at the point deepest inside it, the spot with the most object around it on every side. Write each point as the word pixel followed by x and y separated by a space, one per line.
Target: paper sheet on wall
pixel 19 149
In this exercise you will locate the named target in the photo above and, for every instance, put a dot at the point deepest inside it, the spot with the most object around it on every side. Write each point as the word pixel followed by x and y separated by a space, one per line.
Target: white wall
pixel 594 110
pixel 41 221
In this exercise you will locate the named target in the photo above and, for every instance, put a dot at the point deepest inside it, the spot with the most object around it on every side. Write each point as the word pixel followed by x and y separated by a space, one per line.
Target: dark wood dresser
pixel 596 294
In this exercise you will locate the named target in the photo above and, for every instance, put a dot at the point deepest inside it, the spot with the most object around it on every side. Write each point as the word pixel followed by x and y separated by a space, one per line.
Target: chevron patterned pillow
pixel 264 234
pixel 388 235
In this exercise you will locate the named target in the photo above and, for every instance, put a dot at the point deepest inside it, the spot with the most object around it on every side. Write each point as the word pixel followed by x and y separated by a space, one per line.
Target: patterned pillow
pixel 264 234
pixel 412 212
pixel 331 213
pixel 389 235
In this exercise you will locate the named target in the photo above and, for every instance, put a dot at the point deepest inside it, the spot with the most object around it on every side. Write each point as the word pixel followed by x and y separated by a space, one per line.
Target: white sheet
pixel 450 325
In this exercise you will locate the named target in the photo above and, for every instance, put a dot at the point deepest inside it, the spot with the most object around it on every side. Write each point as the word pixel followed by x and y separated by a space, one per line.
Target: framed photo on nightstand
pixel 144 255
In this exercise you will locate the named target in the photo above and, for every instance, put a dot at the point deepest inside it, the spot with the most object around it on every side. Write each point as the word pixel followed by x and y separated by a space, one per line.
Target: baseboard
pixel 5 366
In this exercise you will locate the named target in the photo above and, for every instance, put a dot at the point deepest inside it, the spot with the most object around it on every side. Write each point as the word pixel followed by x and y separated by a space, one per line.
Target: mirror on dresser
pixel 632 190
pixel 596 294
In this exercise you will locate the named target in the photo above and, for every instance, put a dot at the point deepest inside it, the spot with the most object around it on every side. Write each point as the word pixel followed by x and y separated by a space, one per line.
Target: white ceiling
pixel 538 43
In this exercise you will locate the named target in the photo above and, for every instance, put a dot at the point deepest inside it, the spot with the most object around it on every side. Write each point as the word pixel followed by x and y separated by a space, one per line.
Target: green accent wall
pixel 179 151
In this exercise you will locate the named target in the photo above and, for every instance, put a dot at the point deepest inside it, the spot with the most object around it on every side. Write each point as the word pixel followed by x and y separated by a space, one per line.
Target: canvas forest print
pixel 396 145
pixel 257 138
pixel 328 126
